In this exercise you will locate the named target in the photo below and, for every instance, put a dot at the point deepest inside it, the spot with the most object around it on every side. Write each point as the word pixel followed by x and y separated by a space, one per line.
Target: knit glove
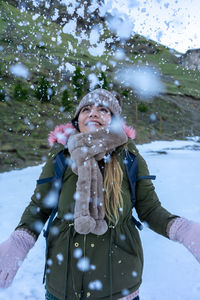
pixel 187 233
pixel 12 253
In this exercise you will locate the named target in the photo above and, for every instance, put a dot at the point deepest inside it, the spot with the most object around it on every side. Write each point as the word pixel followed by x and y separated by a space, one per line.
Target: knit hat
pixel 100 97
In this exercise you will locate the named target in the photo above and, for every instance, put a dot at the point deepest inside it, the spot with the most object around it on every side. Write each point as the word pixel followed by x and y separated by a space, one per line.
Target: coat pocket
pixel 126 268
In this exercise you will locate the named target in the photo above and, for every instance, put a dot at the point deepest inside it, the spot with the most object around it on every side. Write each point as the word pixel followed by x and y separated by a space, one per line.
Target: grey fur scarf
pixel 86 150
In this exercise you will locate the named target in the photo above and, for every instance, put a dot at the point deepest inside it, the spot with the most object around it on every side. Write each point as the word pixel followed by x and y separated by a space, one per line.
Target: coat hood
pixel 62 132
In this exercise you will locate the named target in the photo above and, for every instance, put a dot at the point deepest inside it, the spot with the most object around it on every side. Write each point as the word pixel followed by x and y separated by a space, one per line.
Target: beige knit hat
pixel 100 97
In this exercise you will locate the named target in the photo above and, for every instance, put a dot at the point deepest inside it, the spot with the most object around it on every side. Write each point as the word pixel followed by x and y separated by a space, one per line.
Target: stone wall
pixel 191 59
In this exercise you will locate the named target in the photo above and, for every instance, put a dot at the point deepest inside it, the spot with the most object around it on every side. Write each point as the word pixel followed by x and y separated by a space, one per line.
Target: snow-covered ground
pixel 170 271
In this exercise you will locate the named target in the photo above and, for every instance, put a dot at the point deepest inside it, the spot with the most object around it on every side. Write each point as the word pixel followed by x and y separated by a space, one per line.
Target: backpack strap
pixel 131 165
pixel 152 177
pixel 60 165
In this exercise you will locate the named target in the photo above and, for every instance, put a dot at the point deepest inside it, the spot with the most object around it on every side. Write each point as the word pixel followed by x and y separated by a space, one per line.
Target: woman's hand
pixel 12 253
pixel 187 233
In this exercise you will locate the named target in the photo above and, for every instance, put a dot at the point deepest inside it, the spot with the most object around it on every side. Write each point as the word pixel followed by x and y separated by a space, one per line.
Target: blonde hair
pixel 113 200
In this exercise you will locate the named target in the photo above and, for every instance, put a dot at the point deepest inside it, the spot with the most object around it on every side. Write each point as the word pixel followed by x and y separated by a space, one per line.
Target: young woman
pixel 94 250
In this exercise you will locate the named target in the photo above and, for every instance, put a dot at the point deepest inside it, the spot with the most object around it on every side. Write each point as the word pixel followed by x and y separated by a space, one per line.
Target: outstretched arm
pixel 187 233
pixel 12 253
pixel 14 250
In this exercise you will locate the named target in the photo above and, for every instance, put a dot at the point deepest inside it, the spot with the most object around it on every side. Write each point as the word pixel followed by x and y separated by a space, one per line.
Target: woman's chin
pixel 93 127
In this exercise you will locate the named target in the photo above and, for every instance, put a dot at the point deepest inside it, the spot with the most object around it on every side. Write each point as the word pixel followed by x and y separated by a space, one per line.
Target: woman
pixel 94 250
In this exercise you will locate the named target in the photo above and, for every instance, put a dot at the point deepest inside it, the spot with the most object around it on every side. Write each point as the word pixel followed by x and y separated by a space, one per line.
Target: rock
pixel 191 59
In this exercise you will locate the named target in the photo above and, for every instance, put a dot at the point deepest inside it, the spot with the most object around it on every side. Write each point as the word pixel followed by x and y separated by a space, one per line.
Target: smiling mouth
pixel 93 123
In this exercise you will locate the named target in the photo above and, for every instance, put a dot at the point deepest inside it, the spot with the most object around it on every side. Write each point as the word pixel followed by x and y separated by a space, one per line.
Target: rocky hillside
pixel 45 70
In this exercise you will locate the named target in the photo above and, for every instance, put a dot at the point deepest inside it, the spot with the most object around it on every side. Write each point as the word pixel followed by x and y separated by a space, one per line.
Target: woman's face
pixel 92 117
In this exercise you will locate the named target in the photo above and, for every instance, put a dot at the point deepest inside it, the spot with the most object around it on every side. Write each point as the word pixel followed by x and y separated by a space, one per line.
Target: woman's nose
pixel 93 113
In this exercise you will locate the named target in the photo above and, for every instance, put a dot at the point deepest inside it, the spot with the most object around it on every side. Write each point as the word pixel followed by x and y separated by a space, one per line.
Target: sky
pixel 174 23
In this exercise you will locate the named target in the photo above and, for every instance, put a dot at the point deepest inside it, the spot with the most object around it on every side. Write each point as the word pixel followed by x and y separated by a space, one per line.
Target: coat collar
pixel 62 132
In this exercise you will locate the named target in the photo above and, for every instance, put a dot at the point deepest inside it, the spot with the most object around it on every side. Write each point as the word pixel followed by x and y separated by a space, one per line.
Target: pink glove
pixel 12 253
pixel 187 233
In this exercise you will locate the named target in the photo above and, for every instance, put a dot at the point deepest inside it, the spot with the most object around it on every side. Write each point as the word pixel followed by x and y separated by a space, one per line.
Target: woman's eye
pixel 85 109
pixel 104 110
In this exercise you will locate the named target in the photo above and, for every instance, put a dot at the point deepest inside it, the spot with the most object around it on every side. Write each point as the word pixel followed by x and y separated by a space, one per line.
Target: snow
pixel 78 253
pixel 80 11
pixel 170 271
pixel 93 7
pixel 94 36
pixel 19 70
pixel 35 17
pixel 70 27
pixel 144 80
pixel 56 15
pixel 83 264
pixel 95 285
pixel 93 80
pixel 97 50
pixel 174 23
pixel 120 54
pixel 69 67
pixel 132 3
pixel 121 24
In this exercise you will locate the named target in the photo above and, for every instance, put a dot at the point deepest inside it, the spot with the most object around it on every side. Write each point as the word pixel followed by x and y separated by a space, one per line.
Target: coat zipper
pixel 84 245
pixel 84 252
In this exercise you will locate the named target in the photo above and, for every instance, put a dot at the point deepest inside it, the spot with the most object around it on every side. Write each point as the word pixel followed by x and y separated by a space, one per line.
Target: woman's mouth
pixel 93 123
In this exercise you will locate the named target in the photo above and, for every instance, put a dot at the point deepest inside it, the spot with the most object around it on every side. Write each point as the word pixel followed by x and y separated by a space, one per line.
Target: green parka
pixel 113 262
